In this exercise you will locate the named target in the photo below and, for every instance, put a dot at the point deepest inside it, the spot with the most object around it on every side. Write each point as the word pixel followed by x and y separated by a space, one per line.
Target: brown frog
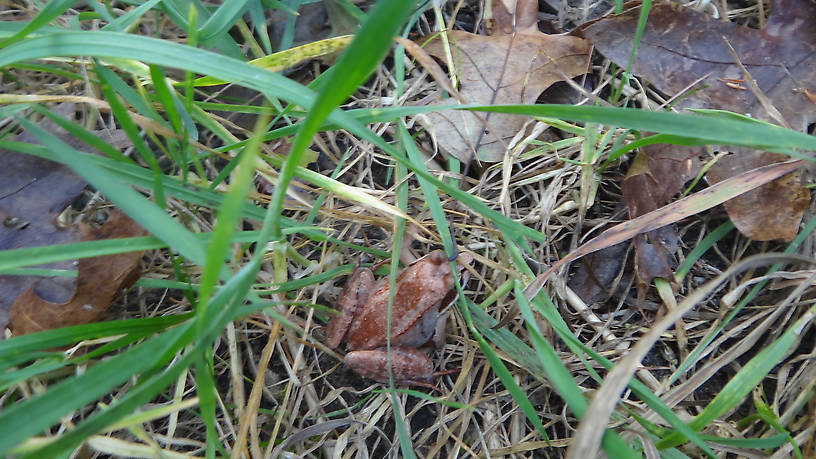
pixel 423 291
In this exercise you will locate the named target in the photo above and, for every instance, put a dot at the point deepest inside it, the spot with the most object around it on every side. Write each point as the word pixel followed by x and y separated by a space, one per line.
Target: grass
pixel 222 308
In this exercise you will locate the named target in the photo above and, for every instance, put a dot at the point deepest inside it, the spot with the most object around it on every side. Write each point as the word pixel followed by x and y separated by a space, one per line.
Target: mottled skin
pixel 422 291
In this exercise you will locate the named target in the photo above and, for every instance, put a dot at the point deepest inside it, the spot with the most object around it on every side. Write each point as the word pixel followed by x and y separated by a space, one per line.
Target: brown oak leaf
pixel 512 66
pixel 33 192
pixel 682 49
pixel 99 280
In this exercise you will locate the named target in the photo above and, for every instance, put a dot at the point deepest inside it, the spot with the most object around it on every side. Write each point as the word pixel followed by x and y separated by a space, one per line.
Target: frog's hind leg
pixel 408 365
pixel 358 288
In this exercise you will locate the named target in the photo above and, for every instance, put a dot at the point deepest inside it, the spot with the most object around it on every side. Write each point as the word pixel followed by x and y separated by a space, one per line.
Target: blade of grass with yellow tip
pixel 289 58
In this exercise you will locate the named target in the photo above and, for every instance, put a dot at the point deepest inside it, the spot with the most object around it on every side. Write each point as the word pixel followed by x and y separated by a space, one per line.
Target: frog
pixel 423 292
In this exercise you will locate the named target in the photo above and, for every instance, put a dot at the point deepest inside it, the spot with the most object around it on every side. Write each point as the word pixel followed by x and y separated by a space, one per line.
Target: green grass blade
pixel 151 354
pixel 141 210
pixel 28 417
pixel 42 364
pixel 428 190
pixel 717 130
pixel 509 383
pixel 132 131
pixel 48 13
pixel 125 406
pixel 133 98
pixel 10 28
pixel 140 177
pixel 165 97
pixel 675 128
pixel 406 448
pixel 746 379
pixel 258 20
pixel 805 233
pixel 158 52
pixel 546 364
pixel 101 12
pixel 351 9
pixel 511 229
pixel 320 199
pixel 229 213
pixel 774 441
pixel 287 37
pixel 644 14
pixel 613 445
pixel 205 388
pixel 699 249
pixel 617 152
pixel 21 345
pixel 14 258
pixel 355 64
pixel 126 20
pixel 683 129
pixel 222 20
pixel 11 110
pixel 84 135
pixel 547 309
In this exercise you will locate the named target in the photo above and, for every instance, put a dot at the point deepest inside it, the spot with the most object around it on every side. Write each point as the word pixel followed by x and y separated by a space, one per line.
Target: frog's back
pixel 420 288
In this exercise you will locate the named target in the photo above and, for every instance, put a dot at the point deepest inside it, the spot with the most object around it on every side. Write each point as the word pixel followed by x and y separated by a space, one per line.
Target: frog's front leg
pixel 409 365
pixel 358 288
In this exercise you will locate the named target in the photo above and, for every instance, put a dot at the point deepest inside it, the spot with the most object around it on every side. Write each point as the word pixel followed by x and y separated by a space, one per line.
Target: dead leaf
pixel 33 192
pixel 643 188
pixel 671 213
pixel 508 16
pixel 599 274
pixel 684 49
pixel 311 23
pixel 770 212
pixel 505 68
pixel 98 281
